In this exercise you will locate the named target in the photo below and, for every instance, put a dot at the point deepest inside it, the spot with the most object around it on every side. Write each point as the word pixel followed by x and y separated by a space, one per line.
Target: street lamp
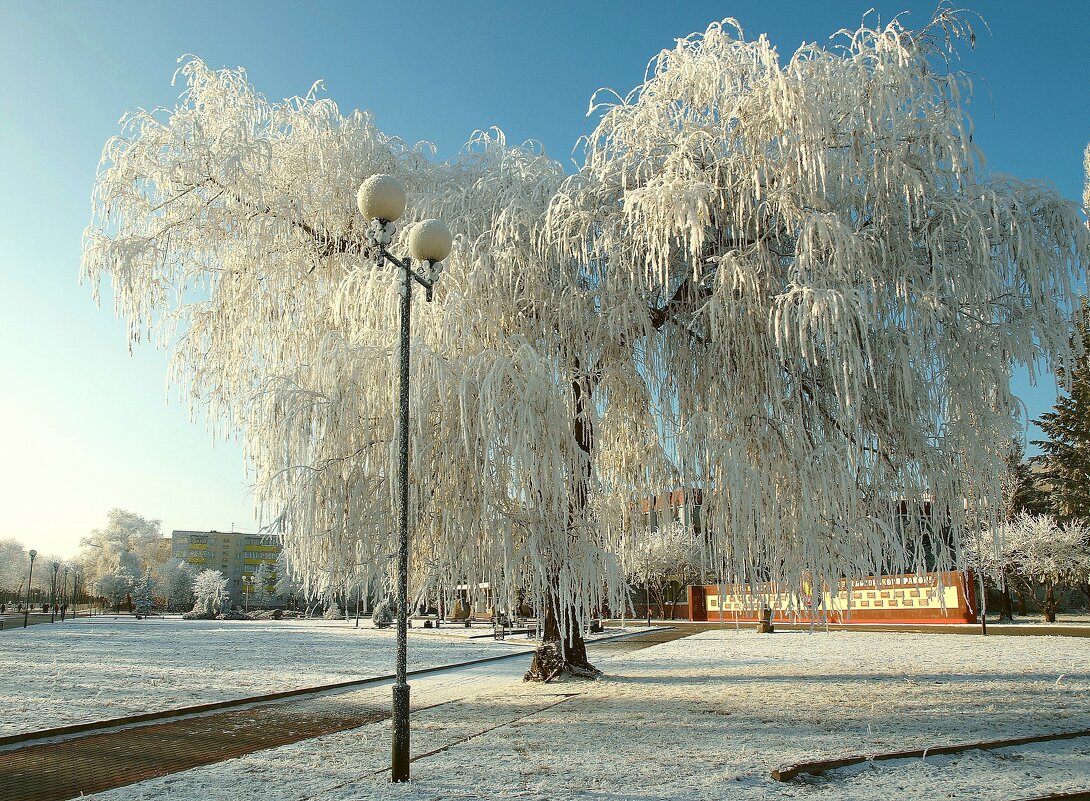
pixel 381 199
pixel 29 578
pixel 65 599
pixel 53 601
pixel 77 592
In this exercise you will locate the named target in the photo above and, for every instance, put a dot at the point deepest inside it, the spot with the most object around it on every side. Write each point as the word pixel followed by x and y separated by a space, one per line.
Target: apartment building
pixel 235 554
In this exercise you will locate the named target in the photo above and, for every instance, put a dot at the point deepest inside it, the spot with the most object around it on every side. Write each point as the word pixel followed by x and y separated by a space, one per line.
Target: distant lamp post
pixel 65 599
pixel 53 600
pixel 381 199
pixel 29 578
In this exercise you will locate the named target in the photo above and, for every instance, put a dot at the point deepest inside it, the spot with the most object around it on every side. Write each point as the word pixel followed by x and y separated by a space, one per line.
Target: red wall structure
pixel 925 598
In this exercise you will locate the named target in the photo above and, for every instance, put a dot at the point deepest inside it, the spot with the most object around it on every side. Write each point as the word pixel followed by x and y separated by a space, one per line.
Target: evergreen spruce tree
pixel 263 586
pixel 1067 449
pixel 143 594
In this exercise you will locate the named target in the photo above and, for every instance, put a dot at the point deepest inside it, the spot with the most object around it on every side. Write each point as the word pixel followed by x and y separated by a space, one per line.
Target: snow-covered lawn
pixel 95 668
pixel 708 717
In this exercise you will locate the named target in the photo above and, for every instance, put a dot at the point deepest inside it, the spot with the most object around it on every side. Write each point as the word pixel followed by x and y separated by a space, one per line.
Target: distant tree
pixel 287 586
pixel 1021 486
pixel 1021 492
pixel 665 562
pixel 117 585
pixel 176 582
pixel 127 546
pixel 212 597
pixel 1067 428
pixel 383 615
pixel 14 566
pixel 1038 552
pixel 143 593
pixel 264 590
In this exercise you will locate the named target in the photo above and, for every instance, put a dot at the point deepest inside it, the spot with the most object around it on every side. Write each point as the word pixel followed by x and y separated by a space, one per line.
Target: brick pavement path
pixel 56 771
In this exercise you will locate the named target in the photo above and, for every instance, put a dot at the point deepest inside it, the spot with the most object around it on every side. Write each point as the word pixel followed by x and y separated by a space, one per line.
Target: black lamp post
pixel 381 199
pixel 29 578
pixel 65 599
pixel 53 594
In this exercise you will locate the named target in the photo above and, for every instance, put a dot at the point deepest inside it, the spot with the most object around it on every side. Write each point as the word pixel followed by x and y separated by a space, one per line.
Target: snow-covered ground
pixel 104 667
pixel 707 717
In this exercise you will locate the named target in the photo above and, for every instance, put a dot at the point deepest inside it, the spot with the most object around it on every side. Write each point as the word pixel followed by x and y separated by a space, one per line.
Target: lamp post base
pixel 399 765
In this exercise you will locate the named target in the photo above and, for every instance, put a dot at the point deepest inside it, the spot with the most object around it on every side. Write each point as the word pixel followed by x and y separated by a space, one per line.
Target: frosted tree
pixel 264 585
pixel 286 586
pixel 143 594
pixel 127 539
pixel 1035 551
pixel 1066 450
pixel 117 585
pixel 176 580
pixel 790 273
pixel 14 567
pixel 383 615
pixel 664 561
pixel 333 610
pixel 210 591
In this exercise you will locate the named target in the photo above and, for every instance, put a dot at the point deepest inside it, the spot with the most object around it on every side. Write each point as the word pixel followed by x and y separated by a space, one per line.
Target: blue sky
pixel 87 427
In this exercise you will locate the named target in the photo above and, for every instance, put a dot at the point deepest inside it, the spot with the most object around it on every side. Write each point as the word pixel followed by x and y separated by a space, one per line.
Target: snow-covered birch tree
pixel 790 282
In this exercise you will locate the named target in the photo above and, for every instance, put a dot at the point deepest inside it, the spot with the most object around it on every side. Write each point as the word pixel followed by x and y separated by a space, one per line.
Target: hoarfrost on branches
pixel 143 594
pixel 790 283
pixel 1037 551
pixel 383 616
pixel 262 582
pixel 176 580
pixel 664 561
pixel 212 597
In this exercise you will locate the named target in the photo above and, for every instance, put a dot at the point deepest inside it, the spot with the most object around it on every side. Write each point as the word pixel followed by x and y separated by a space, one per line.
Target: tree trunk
pixel 1006 608
pixel 1050 604
pixel 559 653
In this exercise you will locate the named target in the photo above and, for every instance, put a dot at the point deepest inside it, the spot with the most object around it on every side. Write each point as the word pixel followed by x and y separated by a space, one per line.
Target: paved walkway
pixel 90 763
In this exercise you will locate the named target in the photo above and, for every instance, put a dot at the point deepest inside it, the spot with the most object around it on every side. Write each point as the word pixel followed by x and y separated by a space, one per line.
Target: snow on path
pixel 707 717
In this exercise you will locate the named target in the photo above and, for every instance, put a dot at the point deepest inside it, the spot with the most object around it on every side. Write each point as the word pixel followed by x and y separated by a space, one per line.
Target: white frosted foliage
pixel 788 283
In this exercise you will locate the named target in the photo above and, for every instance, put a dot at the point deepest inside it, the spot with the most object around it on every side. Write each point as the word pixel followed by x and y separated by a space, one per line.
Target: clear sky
pixel 86 427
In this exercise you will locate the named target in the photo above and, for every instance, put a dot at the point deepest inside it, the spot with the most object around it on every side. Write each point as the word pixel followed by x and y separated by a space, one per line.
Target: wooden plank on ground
pixel 819 766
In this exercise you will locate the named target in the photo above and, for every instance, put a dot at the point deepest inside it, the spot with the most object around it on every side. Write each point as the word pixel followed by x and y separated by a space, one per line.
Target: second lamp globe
pixel 430 240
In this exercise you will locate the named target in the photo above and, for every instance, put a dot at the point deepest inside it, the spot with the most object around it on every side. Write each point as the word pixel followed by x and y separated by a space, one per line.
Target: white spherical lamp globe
pixel 430 240
pixel 381 197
